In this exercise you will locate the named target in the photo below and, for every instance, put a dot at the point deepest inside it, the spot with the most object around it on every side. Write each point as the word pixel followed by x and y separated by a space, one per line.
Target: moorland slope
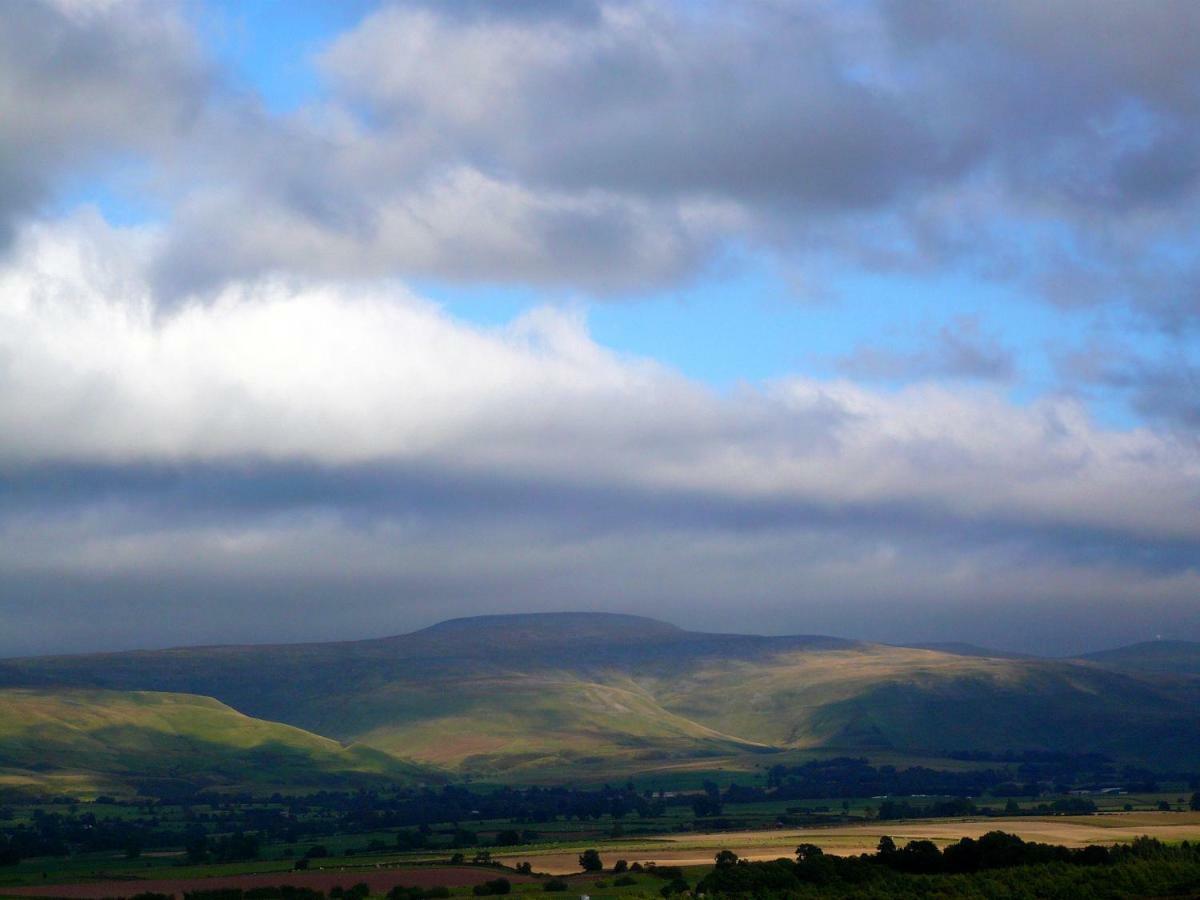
pixel 579 693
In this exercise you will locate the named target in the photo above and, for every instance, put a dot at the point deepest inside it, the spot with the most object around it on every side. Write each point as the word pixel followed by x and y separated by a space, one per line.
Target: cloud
pixel 242 407
pixel 87 84
pixel 958 350
pixel 1162 389
pixel 299 435
pixel 620 147
pixel 341 374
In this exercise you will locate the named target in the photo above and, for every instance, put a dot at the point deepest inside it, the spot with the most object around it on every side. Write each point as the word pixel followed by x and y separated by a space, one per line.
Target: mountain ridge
pixel 510 696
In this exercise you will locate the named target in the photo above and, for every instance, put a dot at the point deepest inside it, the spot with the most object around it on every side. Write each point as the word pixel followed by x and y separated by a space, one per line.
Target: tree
pixel 805 852
pixel 495 886
pixel 708 803
pixel 675 886
pixel 589 861
pixel 196 847
pixel 727 858
pixel 1196 801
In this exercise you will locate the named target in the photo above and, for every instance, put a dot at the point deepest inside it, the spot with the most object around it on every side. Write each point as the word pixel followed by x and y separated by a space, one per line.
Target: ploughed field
pixel 380 881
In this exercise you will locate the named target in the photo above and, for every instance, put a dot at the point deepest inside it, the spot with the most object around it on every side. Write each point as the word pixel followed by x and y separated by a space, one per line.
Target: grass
pixel 84 742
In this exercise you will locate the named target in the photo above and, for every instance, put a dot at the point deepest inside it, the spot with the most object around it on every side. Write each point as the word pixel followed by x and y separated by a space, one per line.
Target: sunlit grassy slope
pixel 548 719
pixel 510 696
pixel 105 738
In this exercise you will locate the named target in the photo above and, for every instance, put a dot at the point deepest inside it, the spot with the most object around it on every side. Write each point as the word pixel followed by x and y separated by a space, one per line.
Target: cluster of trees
pixel 890 809
pixel 372 811
pixel 708 803
pixel 216 827
pixel 1082 770
pixel 1026 774
pixel 58 833
pixel 200 848
pixel 849 777
pixel 495 886
pixel 962 869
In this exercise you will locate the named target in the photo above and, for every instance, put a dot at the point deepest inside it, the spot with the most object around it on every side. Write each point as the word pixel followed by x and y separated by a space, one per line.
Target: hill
pixel 1177 657
pixel 106 740
pixel 957 648
pixel 514 696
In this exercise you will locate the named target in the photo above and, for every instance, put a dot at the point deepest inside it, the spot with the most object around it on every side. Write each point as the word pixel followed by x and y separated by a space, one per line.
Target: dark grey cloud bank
pixel 370 552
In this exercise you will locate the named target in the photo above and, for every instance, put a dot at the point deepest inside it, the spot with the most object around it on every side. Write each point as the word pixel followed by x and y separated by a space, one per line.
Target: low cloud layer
pixel 304 432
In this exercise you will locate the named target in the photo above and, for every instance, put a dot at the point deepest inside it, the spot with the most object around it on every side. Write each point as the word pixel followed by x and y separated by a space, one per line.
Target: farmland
pixel 380 872
pixel 846 840
pixel 506 747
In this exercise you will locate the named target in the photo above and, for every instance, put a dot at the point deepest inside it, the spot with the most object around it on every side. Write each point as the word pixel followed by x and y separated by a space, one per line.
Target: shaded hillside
pixel 113 738
pixel 592 692
pixel 346 690
pixel 1177 657
pixel 927 703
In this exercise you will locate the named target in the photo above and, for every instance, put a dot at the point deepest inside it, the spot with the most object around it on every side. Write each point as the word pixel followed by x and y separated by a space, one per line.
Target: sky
pixel 870 318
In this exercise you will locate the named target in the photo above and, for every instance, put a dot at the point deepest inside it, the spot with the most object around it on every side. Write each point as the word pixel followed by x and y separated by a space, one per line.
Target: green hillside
pixel 109 740
pixel 515 696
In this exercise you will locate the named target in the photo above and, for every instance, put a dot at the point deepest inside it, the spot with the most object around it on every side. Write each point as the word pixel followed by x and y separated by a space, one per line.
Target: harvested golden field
pixel 699 849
